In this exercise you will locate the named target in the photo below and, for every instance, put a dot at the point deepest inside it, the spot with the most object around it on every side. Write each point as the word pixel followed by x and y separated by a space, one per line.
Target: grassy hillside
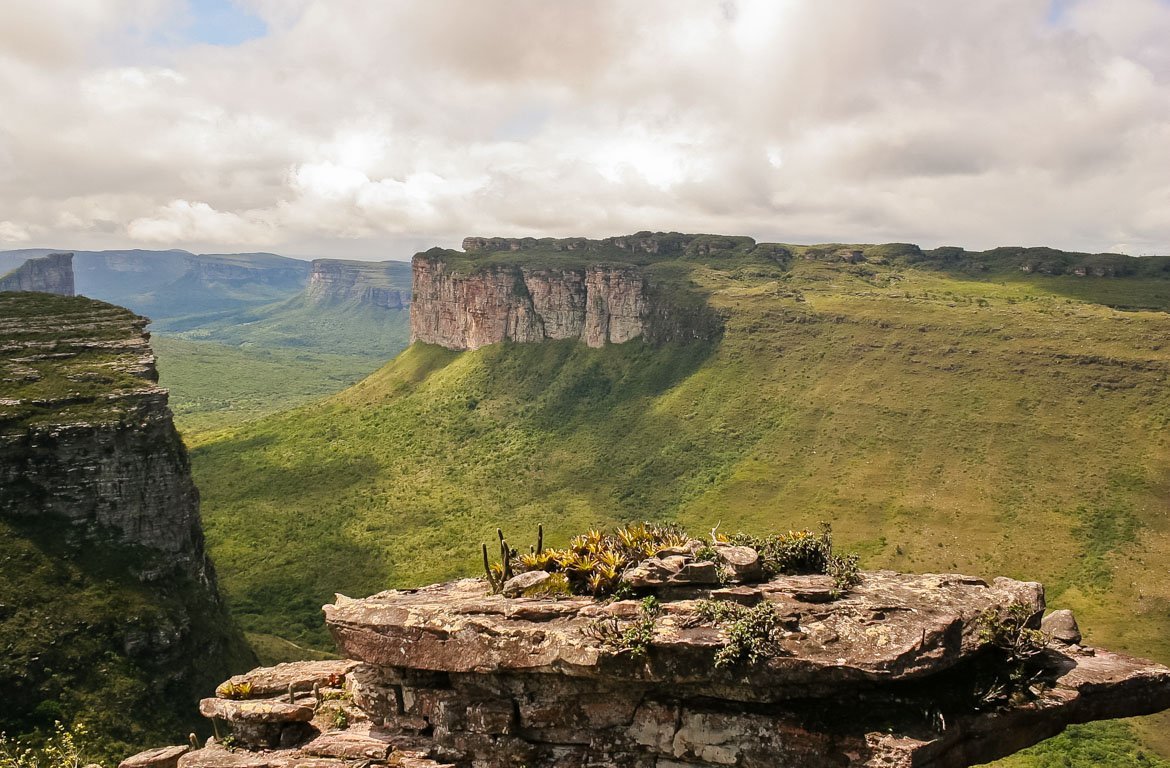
pixel 298 323
pixel 943 419
pixel 213 385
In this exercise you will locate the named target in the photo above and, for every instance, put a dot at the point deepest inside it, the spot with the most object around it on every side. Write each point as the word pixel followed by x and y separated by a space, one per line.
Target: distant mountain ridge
pixel 44 274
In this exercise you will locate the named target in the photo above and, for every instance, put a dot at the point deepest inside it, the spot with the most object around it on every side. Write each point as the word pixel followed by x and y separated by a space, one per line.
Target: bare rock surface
pixel 600 297
pixel 163 757
pixel 297 675
pixel 46 274
pixel 899 672
pixel 1062 626
pixel 893 626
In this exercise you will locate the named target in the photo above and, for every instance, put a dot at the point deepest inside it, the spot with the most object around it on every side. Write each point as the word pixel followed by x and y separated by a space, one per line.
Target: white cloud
pixel 369 128
pixel 13 233
pixel 183 221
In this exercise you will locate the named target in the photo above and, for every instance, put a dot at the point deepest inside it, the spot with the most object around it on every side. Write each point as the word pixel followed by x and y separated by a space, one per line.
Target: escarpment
pixel 106 592
pixel 47 274
pixel 86 436
pixel 599 295
pixel 382 284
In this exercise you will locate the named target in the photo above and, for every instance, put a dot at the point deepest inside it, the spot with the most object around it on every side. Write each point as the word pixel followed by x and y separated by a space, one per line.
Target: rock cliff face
pixel 601 301
pixel 903 671
pixel 106 593
pixel 85 432
pixel 48 274
pixel 383 284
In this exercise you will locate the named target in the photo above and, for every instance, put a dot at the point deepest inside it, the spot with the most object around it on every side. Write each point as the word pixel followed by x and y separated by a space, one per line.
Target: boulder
pixel 255 711
pixel 517 585
pixel 1062 627
pixel 743 563
pixel 163 757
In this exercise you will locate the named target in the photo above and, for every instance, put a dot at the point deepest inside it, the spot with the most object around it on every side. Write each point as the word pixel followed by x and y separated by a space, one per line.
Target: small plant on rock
pixel 1019 677
pixel 630 637
pixel 232 690
pixel 753 634
pixel 802 552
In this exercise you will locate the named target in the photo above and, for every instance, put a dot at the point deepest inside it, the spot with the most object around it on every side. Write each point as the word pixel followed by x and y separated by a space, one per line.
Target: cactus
pixel 487 569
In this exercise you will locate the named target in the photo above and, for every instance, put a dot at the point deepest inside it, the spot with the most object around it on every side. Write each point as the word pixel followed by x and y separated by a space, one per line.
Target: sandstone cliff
pixel 106 592
pixel 607 292
pixel 382 284
pixel 47 274
pixel 85 432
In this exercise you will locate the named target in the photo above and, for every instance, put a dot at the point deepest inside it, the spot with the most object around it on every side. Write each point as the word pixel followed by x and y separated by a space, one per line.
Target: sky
pixel 376 128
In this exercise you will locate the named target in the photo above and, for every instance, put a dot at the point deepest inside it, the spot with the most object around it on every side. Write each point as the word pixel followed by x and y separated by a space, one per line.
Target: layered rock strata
pixel 86 436
pixel 899 672
pixel 47 274
pixel 382 284
pixel 598 304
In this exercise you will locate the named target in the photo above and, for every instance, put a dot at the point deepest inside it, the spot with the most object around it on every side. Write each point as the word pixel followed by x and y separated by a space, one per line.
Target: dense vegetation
pixel 298 323
pixel 85 640
pixel 949 417
pixel 215 385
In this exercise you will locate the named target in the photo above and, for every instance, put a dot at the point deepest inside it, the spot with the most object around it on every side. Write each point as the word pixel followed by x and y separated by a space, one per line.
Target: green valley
pixel 986 422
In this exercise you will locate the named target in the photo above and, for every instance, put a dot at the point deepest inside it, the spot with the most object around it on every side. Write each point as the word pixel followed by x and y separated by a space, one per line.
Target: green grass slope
pixel 214 385
pixel 349 328
pixel 986 421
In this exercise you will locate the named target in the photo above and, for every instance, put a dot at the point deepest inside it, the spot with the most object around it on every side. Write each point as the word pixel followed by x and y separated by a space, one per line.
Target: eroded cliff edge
pixel 106 592
pixel 902 672
pixel 524 290
pixel 382 284
pixel 47 274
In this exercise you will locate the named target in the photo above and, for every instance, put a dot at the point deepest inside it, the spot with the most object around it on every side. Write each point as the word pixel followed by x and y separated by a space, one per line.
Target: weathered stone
pixel 301 675
pixel 743 562
pixel 880 678
pixel 1062 626
pixel 163 757
pixel 381 284
pixel 255 711
pixel 46 274
pixel 515 586
pixel 358 743
pixel 697 572
pixel 215 756
pixel 654 571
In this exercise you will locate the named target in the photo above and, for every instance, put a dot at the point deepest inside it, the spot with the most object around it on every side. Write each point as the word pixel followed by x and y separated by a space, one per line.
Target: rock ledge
pixel 902 671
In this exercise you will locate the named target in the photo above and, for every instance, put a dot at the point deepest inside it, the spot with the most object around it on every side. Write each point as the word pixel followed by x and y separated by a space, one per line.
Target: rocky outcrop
pixel 86 436
pixel 382 284
pixel 47 274
pixel 461 307
pixel 109 596
pixel 903 670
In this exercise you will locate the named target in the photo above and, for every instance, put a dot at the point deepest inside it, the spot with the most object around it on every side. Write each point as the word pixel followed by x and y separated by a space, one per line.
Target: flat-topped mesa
pixel 382 284
pixel 85 432
pixel 47 274
pixel 526 290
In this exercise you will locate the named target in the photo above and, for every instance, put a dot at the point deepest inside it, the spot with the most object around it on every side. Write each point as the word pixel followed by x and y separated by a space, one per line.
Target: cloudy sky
pixel 374 128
